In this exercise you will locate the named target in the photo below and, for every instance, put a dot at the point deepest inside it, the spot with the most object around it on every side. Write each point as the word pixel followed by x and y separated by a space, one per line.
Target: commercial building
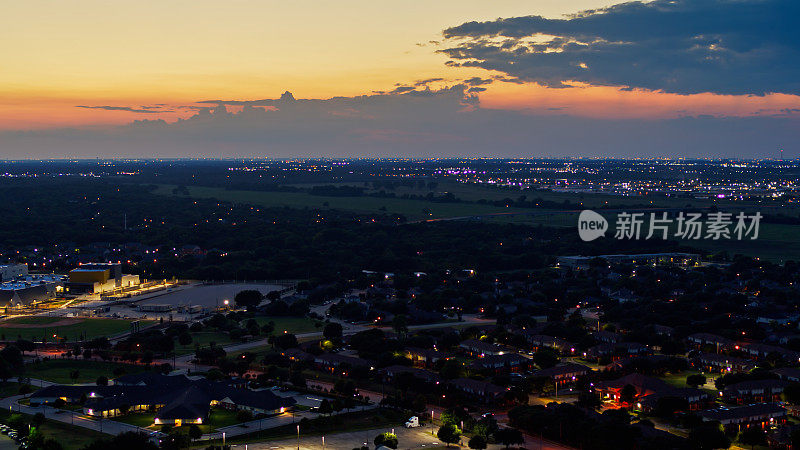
pixel 99 278
pixel 30 289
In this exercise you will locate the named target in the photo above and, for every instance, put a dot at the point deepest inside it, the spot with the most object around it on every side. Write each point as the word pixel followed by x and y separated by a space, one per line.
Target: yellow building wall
pixel 94 276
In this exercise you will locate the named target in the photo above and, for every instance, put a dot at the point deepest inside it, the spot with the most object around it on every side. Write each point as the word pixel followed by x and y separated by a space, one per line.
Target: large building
pixel 99 278
pixel 9 272
pixel 24 290
pixel 584 262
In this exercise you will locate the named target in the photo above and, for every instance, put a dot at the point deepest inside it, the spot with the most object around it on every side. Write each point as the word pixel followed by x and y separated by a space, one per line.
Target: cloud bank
pixel 424 122
pixel 677 46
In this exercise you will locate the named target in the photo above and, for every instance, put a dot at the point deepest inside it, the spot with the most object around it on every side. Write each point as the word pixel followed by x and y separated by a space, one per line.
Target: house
pixel 508 362
pixel 701 340
pixel 715 362
pixel 648 391
pixel 297 355
pixel 563 373
pixel 479 390
pixel 539 341
pixel 762 415
pixel 788 373
pixel 392 372
pixel 333 361
pixel 754 391
pixel 616 351
pixel 176 399
pixel 425 357
pixel 474 347
pixel 760 351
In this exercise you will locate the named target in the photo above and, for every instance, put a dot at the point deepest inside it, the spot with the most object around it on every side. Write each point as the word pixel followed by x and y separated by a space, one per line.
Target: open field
pixel 58 370
pixel 43 327
pixel 777 242
pixel 411 209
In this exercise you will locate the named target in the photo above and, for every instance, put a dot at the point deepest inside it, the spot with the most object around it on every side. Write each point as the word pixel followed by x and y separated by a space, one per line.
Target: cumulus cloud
pixel 677 46
pixel 446 122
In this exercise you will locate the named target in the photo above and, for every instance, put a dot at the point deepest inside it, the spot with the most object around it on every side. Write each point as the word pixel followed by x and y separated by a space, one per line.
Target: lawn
pixel 37 328
pixel 203 339
pixel 294 325
pixel 58 370
pixel 9 389
pixel 217 418
pixel 71 438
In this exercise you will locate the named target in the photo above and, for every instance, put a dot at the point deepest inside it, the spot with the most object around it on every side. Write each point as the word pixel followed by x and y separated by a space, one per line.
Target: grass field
pixel 203 339
pixel 58 370
pixel 40 327
pixel 294 325
pixel 411 209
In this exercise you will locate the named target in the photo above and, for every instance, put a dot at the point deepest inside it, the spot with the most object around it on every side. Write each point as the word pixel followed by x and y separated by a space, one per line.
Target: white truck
pixel 413 422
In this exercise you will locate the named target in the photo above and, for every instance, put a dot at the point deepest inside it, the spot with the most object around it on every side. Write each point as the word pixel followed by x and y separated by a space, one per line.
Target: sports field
pixel 47 328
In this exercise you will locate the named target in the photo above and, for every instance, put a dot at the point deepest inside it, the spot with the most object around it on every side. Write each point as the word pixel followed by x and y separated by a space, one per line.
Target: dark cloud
pixel 679 46
pixel 140 109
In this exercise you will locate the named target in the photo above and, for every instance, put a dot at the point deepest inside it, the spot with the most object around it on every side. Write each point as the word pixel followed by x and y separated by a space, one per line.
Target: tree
pixel 332 331
pixel 74 375
pixel 195 432
pixel 25 345
pixel 400 324
pixel 709 436
pixel 752 436
pixel 627 394
pixel 248 298
pixel 449 434
pixel 325 407
pixel 545 358
pixel 102 381
pixel 695 380
pixel 286 341
pixel 477 442
pixel 185 339
pixel 508 436
pixel 791 393
pixel 386 440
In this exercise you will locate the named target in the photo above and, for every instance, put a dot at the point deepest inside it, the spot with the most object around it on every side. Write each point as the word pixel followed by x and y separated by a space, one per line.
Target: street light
pixel 323 442
pixel 298 437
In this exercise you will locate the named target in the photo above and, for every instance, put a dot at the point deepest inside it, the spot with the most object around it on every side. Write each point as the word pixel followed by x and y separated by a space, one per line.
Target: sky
pixel 535 78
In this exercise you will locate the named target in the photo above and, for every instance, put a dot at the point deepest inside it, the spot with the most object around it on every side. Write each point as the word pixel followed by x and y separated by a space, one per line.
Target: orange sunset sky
pixel 163 56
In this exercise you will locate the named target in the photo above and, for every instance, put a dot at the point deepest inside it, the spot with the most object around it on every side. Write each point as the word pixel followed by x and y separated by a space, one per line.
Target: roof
pixel 743 412
pixel 562 369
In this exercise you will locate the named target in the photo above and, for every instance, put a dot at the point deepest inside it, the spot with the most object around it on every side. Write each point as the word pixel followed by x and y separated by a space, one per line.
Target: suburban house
pixel 563 373
pixel 734 419
pixel 754 391
pixel 508 362
pixel 716 362
pixel 701 340
pixel 424 357
pixel 474 347
pixel 480 390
